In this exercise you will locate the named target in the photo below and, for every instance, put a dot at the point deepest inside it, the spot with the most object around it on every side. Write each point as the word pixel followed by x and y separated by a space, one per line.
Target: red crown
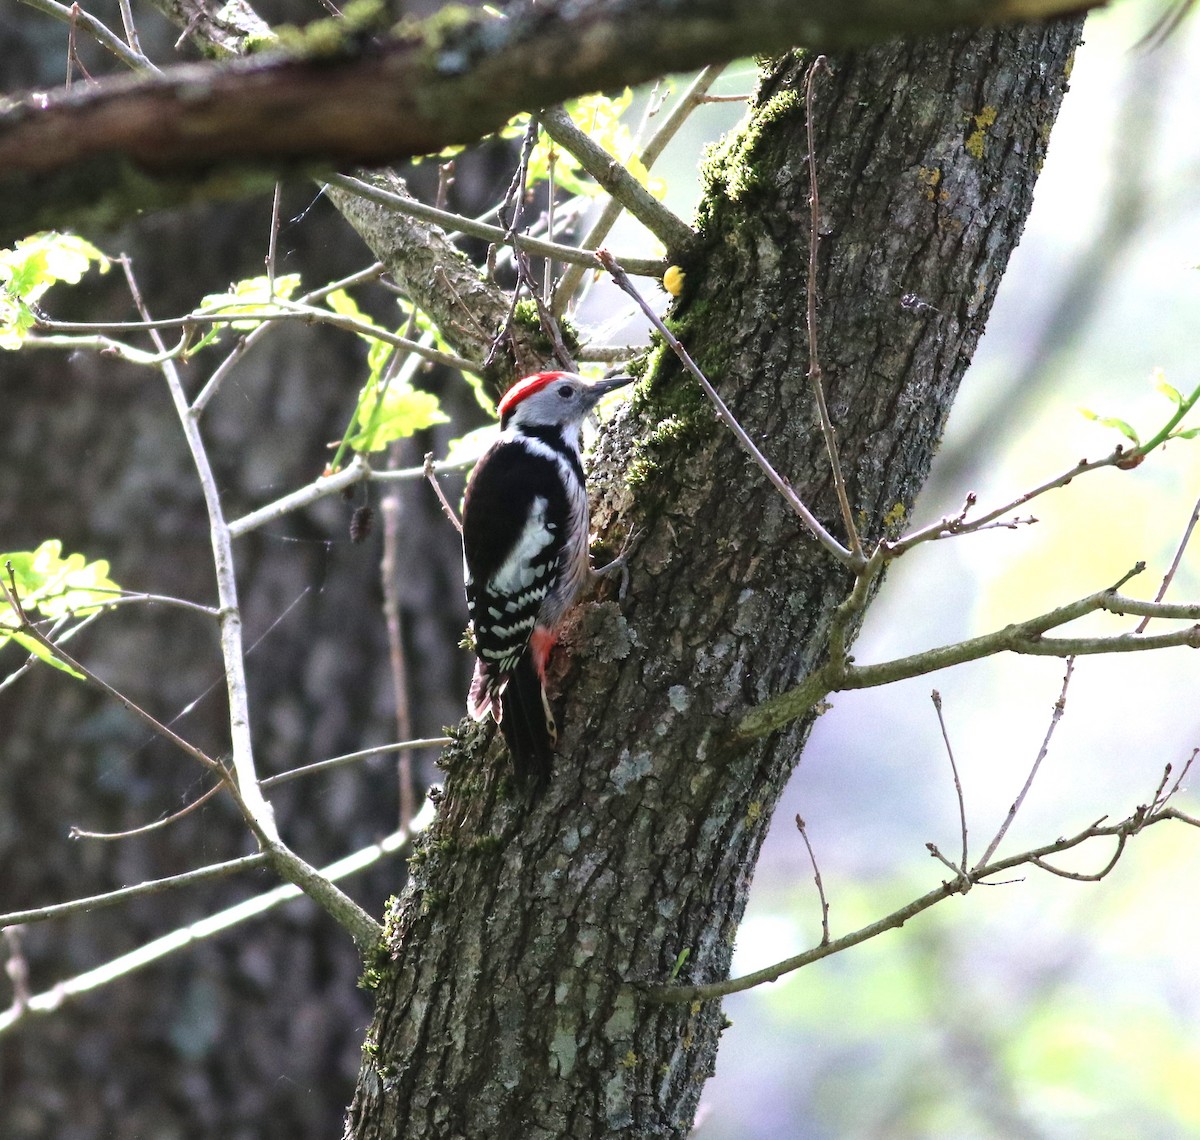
pixel 527 387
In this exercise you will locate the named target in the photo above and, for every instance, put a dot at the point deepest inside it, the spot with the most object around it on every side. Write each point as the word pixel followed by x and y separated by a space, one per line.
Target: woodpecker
pixel 525 554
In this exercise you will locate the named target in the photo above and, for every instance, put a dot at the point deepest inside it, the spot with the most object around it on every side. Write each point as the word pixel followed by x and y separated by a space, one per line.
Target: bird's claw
pixel 619 565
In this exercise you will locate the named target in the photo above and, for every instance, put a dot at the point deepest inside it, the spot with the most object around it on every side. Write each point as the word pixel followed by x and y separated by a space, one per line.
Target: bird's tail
pixel 528 722
pixel 518 702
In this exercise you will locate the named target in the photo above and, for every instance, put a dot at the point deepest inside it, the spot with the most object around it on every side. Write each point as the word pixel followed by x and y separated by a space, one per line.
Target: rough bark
pixel 511 1002
pixel 99 154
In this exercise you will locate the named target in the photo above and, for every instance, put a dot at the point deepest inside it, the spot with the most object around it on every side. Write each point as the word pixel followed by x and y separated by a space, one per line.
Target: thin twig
pixel 1170 574
pixel 1180 778
pixel 688 102
pixel 548 278
pixel 371 273
pixel 1082 876
pixel 936 697
pixel 125 894
pixel 126 964
pixel 815 374
pixel 72 58
pixel 812 858
pixel 105 345
pixel 638 266
pixel 357 470
pixel 1056 716
pixel 671 230
pixel 166 821
pixel 1120 457
pixel 272 239
pixel 131 32
pixel 103 35
pixel 1132 825
pixel 25 626
pixel 447 509
pixel 785 488
pixel 58 638
pixel 353 758
pixel 119 597
pixel 954 869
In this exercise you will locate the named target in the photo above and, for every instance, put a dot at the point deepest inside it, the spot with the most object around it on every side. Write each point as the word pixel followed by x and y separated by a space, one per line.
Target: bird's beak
pixel 609 384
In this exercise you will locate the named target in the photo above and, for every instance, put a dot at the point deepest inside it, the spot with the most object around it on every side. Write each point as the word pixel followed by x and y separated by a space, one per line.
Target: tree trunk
pixel 510 1004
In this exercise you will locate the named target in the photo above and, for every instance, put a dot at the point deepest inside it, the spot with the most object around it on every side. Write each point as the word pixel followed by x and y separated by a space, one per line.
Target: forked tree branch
pixel 621 186
pixel 181 939
pixel 1026 637
pixel 1137 822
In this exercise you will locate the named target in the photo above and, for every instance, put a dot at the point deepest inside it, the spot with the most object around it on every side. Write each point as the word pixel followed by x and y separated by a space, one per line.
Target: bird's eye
pixel 566 391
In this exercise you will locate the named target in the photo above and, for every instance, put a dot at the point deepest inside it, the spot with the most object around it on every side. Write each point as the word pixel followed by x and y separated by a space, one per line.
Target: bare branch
pixel 181 939
pixel 1056 716
pixel 1080 876
pixel 959 884
pixel 166 821
pixel 353 758
pixel 358 470
pixel 129 54
pixel 778 481
pixel 816 879
pixel 125 894
pixel 105 345
pixel 674 233
pixel 457 223
pixel 447 509
pixel 1169 576
pixel 17 968
pixel 936 697
pixel 1027 637
pixel 692 98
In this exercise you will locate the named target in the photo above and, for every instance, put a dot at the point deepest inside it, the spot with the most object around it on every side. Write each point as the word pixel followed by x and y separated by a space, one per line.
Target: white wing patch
pixel 517 572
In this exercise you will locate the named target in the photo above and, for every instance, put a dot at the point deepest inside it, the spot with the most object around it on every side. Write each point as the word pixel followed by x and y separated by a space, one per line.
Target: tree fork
pixel 509 1005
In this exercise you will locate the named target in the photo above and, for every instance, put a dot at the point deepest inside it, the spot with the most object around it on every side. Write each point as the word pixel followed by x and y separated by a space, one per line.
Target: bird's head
pixel 547 399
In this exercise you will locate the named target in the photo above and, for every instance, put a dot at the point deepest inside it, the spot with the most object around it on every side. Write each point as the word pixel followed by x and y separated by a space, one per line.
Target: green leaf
pixel 1112 422
pixel 403 411
pixel 600 117
pixel 56 586
pixel 253 295
pixel 344 305
pixel 1187 433
pixel 1173 394
pixel 31 267
pixel 43 654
